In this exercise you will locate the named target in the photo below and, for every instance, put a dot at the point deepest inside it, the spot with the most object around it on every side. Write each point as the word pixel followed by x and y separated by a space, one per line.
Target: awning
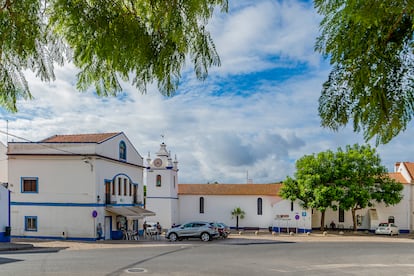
pixel 130 212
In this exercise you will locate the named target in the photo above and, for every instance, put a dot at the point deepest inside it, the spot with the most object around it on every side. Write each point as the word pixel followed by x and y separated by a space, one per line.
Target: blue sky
pixel 255 115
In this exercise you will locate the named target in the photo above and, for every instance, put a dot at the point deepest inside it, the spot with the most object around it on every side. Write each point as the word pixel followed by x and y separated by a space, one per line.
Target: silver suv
pixel 197 229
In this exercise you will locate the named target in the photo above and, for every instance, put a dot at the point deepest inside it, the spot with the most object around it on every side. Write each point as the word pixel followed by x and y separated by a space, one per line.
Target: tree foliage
pixel 108 40
pixel 370 45
pixel 314 185
pixel 237 213
pixel 349 179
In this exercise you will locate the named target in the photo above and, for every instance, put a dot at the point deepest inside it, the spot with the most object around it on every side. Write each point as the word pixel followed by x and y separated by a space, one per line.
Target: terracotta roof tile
pixel 398 177
pixel 80 138
pixel 410 168
pixel 229 189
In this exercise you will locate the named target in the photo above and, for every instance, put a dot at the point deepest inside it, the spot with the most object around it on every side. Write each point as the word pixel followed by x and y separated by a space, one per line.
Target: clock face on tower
pixel 157 162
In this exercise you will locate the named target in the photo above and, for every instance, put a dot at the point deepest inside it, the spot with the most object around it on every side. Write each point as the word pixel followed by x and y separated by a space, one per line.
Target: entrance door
pixel 108 228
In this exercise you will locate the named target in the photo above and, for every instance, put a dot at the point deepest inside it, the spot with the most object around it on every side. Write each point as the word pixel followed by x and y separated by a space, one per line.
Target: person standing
pixel 159 229
pixel 145 229
pixel 99 231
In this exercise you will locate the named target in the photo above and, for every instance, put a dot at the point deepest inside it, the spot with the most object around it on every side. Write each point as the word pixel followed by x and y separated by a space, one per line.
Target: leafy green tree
pixel 363 180
pixel 237 213
pixel 108 40
pixel 351 179
pixel 314 183
pixel 370 45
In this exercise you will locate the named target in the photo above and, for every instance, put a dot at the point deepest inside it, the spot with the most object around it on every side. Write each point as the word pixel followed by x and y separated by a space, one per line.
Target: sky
pixel 252 118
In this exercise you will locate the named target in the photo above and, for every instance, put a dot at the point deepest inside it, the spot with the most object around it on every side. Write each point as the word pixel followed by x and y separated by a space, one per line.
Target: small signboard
pixel 282 217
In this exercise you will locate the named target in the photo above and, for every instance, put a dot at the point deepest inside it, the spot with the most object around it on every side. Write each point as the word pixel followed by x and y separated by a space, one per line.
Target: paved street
pixel 238 255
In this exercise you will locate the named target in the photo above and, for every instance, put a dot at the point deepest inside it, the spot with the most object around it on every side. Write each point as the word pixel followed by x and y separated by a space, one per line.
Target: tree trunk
pixel 237 223
pixel 323 221
pixel 354 219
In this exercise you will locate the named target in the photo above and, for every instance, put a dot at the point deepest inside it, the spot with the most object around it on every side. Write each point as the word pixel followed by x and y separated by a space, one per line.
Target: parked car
pixel 196 229
pixel 223 229
pixel 387 229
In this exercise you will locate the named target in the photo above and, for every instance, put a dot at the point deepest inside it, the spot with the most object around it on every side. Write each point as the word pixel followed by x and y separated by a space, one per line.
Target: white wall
pixel 401 213
pixel 219 208
pixel 110 148
pixel 52 221
pixel 163 200
pixel 286 217
pixel 67 195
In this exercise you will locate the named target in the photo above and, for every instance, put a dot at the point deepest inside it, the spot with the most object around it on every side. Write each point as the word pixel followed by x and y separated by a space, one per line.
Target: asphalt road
pixel 220 258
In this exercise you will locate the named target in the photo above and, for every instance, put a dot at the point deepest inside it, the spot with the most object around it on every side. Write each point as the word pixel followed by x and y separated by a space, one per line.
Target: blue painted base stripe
pixel 55 238
pixel 4 238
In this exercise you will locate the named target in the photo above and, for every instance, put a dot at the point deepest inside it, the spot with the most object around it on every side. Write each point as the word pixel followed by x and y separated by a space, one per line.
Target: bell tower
pixel 162 187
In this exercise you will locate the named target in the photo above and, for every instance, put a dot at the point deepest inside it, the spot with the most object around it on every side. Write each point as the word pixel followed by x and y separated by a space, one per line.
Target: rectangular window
pixel 29 184
pixel 113 188
pixel 291 206
pixel 341 215
pixel 201 205
pixel 259 206
pixel 125 186
pixel 30 223
pixel 119 186
pixel 130 188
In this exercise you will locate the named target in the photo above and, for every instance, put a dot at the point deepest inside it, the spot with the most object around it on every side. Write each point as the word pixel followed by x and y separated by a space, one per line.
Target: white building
pixel 4 197
pixel 261 203
pixel 71 186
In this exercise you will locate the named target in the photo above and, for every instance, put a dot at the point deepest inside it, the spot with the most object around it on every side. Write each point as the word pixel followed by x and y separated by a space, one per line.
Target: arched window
pixel 122 151
pixel 158 181
pixel 259 206
pixel 201 205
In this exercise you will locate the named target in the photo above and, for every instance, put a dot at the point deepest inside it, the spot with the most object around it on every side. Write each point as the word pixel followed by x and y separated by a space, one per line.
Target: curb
pixel 15 246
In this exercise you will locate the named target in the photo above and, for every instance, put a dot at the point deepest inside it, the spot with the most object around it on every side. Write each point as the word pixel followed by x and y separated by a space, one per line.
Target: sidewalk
pixel 234 238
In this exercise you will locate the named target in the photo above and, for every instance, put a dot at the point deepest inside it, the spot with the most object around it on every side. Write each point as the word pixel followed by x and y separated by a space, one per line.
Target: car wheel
pixel 205 237
pixel 173 237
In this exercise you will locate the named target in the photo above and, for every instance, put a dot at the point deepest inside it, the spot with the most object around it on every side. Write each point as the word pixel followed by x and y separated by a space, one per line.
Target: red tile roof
pixel 398 177
pixel 80 138
pixel 229 189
